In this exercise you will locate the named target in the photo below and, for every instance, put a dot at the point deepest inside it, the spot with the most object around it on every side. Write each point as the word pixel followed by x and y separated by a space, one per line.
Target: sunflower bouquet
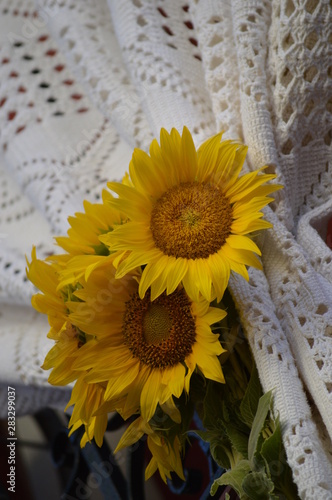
pixel 137 307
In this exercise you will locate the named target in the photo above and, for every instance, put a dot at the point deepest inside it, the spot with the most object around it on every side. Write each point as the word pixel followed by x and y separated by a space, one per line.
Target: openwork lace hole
pixel 310 74
pixel 162 12
pixel 321 309
pixel 286 77
pixel 311 40
pixel 287 42
pixel 307 139
pixel 168 30
pixel 287 147
pixel 311 6
pixel 289 8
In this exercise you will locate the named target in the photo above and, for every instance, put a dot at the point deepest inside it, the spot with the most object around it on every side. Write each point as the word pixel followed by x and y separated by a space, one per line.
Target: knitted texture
pixel 82 83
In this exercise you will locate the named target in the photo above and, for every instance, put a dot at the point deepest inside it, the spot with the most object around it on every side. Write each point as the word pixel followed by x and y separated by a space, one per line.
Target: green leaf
pixel 213 406
pixel 205 435
pixel 220 447
pixel 257 427
pixel 220 454
pixel 257 486
pixel 249 403
pixel 274 454
pixel 233 478
pixel 238 439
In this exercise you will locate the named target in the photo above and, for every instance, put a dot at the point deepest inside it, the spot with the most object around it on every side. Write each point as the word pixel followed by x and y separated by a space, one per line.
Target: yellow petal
pixel 214 315
pixel 177 270
pixel 204 282
pixel 189 157
pixel 151 394
pixel 220 270
pixel 170 409
pixel 242 256
pixel 151 469
pixel 243 243
pixel 120 384
pixel 136 259
pixel 159 285
pixel 144 175
pixel 255 204
pixel 235 166
pixel 247 183
pixel 209 365
pixel 207 157
pixel 250 226
pixel 151 273
pixel 130 201
pixel 132 434
pixel 190 282
pixel 173 379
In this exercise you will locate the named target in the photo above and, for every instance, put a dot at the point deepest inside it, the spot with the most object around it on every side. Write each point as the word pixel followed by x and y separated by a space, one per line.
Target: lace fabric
pixel 82 83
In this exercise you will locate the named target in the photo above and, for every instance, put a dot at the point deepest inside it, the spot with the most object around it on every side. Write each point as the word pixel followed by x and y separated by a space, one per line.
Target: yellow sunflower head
pixel 84 250
pixel 145 352
pixel 54 302
pixel 190 213
pixel 50 301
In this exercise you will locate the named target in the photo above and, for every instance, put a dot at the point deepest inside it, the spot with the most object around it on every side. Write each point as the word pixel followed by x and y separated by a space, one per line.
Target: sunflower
pixel 70 341
pixel 190 214
pixel 54 301
pixel 166 453
pixel 84 250
pixel 87 399
pixel 145 352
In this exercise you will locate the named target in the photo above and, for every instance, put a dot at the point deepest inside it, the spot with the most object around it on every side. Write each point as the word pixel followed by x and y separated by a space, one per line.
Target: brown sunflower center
pixel 191 220
pixel 156 324
pixel 160 333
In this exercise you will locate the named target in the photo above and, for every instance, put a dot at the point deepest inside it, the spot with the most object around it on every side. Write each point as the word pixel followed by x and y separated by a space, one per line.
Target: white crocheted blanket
pixel 83 82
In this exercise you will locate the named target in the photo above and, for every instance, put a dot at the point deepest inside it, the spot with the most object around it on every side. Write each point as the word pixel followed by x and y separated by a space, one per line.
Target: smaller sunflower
pixel 145 352
pixel 54 301
pixel 70 342
pixel 190 215
pixel 166 454
pixel 84 250
pixel 87 400
pixel 51 301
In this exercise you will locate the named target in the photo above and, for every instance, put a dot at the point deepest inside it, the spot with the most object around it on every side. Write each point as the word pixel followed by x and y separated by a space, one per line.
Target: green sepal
pixel 233 478
pixel 101 249
pixel 257 486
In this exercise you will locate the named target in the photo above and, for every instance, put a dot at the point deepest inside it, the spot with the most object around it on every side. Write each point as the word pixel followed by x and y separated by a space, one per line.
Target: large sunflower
pixel 84 250
pixel 145 352
pixel 189 215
